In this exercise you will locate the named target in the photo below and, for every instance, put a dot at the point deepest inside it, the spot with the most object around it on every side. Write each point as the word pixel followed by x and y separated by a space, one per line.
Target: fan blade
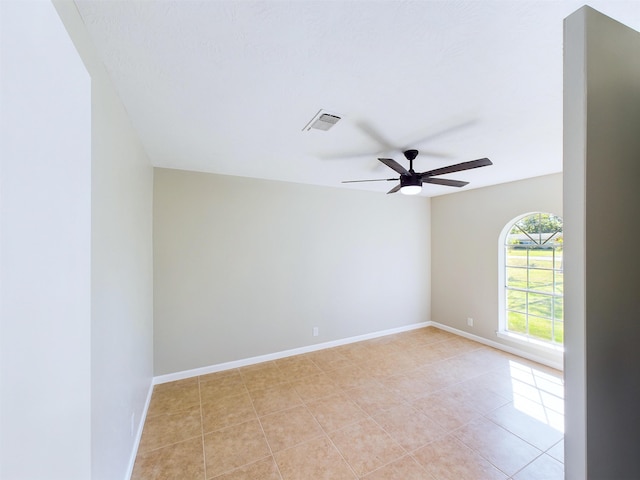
pixel 389 162
pixel 375 135
pixel 444 181
pixel 394 189
pixel 458 167
pixel 374 180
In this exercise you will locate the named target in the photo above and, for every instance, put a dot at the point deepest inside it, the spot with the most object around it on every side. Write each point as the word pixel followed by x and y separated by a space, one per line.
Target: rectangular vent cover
pixel 322 121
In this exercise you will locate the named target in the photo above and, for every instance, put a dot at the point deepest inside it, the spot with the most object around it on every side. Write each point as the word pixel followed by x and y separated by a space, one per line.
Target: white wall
pixel 247 267
pixel 45 234
pixel 465 230
pixel 121 268
pixel 76 251
pixel 602 200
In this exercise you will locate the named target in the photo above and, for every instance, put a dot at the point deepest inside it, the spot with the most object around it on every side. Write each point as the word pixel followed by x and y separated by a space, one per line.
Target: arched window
pixel 532 279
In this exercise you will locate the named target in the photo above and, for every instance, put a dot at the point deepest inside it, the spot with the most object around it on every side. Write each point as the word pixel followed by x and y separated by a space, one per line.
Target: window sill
pixel 531 342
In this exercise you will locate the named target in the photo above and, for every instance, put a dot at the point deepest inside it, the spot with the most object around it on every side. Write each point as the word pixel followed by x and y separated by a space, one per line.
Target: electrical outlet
pixel 470 321
pixel 315 331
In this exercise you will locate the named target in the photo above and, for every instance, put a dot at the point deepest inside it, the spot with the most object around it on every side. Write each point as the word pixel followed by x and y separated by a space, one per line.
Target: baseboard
pixel 171 377
pixel 500 346
pixel 136 442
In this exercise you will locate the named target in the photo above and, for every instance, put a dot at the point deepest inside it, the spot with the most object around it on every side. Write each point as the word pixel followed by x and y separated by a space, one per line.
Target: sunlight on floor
pixel 538 394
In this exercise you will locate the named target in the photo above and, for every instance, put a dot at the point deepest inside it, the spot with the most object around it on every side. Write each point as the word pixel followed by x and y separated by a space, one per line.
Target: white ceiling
pixel 227 86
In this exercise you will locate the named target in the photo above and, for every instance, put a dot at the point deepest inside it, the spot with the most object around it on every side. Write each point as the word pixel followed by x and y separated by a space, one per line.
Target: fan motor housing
pixel 410 180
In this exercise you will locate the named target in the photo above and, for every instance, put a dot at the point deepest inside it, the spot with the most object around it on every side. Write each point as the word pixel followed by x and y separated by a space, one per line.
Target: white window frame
pixel 503 332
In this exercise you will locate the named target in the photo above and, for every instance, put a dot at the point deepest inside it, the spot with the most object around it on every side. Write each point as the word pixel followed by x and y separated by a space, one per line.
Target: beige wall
pixel 121 283
pixel 247 267
pixel 465 229
pixel 602 200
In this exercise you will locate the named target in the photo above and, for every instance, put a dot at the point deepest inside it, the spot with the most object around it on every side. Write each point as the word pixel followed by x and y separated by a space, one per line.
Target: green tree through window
pixel 534 279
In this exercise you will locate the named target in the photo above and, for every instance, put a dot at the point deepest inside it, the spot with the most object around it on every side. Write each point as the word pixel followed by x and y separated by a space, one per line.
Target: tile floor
pixel 424 404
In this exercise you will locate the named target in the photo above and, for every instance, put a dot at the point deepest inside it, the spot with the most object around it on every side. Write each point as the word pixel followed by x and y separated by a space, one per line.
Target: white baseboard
pixel 171 377
pixel 136 442
pixel 505 348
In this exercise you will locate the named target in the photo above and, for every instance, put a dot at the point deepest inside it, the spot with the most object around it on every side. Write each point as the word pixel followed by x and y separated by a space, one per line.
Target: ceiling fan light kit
pixel 410 185
pixel 411 181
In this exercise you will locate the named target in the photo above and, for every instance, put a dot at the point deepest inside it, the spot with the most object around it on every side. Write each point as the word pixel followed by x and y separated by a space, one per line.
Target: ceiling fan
pixel 411 182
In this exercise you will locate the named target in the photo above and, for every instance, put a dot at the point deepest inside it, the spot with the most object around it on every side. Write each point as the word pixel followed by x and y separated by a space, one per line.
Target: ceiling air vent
pixel 322 121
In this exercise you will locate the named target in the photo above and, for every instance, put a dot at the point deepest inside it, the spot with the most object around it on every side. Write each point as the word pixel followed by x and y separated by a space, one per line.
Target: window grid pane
pixel 534 281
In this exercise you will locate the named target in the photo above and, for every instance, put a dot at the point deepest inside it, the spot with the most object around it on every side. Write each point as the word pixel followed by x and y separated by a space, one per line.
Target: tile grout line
pixel 523 467
pixel 369 416
pixel 407 453
pixel 204 452
pixel 248 393
pixel 165 445
pixel 331 441
pixel 264 434
pixel 326 434
pixel 517 435
pixel 487 459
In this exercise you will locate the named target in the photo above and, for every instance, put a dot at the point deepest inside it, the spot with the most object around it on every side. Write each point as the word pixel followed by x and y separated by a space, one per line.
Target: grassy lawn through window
pixel 535 285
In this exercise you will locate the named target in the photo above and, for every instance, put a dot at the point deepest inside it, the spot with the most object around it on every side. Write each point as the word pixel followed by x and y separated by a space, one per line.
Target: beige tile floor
pixel 425 404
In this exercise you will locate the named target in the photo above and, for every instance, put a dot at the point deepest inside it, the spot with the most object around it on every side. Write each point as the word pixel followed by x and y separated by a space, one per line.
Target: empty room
pixel 319 239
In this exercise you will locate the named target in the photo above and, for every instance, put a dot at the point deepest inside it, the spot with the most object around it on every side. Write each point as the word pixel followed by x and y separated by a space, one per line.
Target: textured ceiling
pixel 227 86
